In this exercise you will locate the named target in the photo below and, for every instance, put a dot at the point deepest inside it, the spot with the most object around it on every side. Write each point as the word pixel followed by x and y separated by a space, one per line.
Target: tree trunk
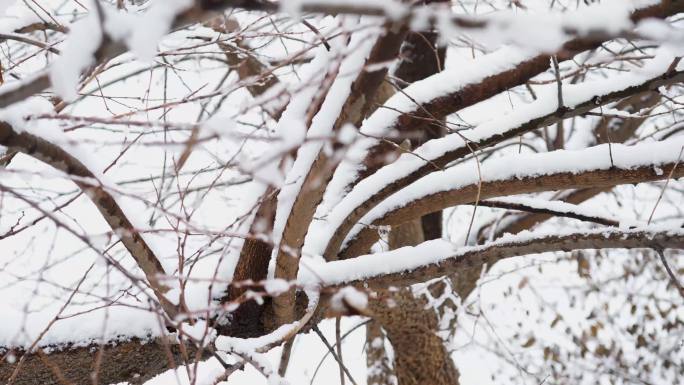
pixel 420 357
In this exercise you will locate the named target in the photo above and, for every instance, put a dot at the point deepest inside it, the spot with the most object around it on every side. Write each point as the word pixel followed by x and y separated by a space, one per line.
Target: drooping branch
pixel 106 204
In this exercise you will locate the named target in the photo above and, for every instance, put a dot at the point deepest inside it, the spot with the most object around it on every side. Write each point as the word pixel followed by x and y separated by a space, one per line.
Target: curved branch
pixel 523 177
pixel 607 130
pixel 113 214
pixel 359 100
pixel 439 153
pixel 529 220
pixel 566 210
pixel 432 259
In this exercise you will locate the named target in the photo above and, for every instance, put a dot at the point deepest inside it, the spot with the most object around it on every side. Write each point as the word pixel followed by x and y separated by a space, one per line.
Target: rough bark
pixel 420 357
pixel 133 361
pixel 380 371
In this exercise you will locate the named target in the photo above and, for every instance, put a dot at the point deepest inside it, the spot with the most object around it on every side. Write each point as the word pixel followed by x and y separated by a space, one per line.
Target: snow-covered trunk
pixel 420 356
pixel 378 361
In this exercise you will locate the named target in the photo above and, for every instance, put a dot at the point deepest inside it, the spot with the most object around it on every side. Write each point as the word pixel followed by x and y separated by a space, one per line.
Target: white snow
pixel 83 40
pixel 348 297
pixel 391 8
pixel 13 16
pixel 276 286
pixel 365 267
pixel 353 58
pixel 602 157
pixel 546 104
pixel 199 331
pixel 142 32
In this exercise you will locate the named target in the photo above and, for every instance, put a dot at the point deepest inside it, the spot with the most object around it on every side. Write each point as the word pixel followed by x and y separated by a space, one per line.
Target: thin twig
pixel 671 273
pixel 332 351
pixel 556 70
pixel 338 342
pixel 667 181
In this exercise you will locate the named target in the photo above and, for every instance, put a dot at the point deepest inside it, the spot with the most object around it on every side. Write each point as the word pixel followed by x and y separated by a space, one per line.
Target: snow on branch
pixel 100 37
pixel 543 30
pixel 303 188
pixel 555 208
pixel 599 166
pixel 436 258
pixel 437 153
pixel 19 136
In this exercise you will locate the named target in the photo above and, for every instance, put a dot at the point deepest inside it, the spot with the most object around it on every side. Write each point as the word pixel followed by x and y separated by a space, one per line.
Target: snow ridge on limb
pixel 431 99
pixel 432 259
pixel 348 100
pixel 437 153
pixel 557 170
pixel 90 182
pixel 620 130
pixel 305 181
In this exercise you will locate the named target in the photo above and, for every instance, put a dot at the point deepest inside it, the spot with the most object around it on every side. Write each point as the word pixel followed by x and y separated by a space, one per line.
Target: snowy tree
pixel 398 191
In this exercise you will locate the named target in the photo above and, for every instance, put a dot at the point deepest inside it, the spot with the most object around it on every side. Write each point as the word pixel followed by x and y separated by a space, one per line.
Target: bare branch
pixel 56 157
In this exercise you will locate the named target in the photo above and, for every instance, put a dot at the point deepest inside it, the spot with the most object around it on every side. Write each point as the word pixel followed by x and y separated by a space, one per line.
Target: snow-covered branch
pixel 433 259
pixel 438 153
pixel 599 166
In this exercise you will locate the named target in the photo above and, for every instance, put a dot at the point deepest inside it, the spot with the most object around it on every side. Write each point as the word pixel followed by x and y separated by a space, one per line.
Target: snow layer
pixel 407 163
pixel 602 157
pixel 77 55
pixel 322 124
pixel 430 252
